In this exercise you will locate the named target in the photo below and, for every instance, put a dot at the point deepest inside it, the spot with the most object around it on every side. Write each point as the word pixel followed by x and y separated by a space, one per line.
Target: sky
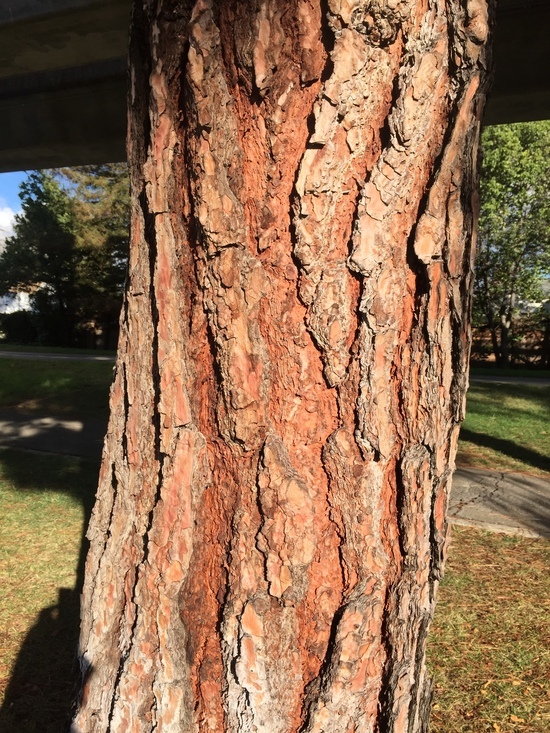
pixel 9 201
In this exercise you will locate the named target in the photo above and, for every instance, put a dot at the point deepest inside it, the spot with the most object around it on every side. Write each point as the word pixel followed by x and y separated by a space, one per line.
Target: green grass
pixel 507 428
pixel 489 647
pixel 59 387
pixel 44 501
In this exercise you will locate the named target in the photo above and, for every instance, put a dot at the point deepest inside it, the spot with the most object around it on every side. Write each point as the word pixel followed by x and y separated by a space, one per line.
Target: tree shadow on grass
pixel 508 448
pixel 42 687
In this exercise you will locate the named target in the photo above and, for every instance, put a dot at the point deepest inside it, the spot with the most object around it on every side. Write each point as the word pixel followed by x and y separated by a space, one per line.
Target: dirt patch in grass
pixel 489 647
pixel 507 428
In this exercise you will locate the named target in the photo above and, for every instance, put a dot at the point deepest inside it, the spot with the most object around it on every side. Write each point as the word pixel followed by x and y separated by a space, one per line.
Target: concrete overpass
pixel 63 77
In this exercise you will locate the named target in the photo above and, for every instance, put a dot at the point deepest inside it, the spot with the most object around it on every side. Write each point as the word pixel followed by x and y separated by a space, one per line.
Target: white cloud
pixel 7 220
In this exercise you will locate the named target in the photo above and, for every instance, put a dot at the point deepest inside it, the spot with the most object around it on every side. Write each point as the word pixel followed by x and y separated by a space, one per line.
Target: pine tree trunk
pixel 270 525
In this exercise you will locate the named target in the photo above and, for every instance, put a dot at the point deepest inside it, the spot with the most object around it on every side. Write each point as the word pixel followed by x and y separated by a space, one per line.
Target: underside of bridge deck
pixel 63 77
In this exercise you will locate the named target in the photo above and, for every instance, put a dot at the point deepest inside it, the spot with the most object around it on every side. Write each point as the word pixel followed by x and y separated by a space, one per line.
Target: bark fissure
pixel 126 413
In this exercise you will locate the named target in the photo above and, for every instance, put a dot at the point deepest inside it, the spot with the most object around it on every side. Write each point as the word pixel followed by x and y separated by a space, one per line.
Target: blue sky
pixel 9 200
pixel 9 188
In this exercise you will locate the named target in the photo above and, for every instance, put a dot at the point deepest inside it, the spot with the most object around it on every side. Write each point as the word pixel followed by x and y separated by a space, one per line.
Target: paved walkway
pixel 47 356
pixel 503 502
pixel 47 434
pixel 530 381
pixel 513 503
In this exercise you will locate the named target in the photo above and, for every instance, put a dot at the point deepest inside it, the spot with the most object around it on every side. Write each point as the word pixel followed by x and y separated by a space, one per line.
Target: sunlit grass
pixel 489 643
pixel 489 647
pixel 507 428
pixel 60 387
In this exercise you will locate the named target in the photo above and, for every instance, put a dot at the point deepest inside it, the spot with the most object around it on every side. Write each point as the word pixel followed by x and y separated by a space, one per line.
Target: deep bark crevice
pixel 402 509
pixel 436 559
pixel 328 39
pixel 126 414
pixel 314 688
pixel 418 694
pixel 386 687
pixel 114 484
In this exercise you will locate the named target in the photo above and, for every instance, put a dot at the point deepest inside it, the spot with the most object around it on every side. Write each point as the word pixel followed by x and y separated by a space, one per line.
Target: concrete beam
pixel 521 88
pixel 62 82
pixel 63 77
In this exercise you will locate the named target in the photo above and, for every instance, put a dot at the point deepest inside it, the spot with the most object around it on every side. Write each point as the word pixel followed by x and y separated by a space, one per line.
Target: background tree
pixel 514 228
pixel 41 257
pixel 69 251
pixel 101 197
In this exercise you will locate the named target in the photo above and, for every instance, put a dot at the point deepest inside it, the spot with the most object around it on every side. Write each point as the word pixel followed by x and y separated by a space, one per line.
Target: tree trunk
pixel 545 346
pixel 504 357
pixel 270 525
pixel 494 329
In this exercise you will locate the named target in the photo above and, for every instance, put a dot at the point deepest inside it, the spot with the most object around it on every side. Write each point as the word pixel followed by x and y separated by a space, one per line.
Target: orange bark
pixel 270 525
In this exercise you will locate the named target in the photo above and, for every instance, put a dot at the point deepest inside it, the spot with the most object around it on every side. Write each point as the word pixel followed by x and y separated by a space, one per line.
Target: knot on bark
pixel 377 22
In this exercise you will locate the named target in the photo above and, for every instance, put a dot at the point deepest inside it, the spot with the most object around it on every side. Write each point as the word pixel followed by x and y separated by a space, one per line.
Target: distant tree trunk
pixel 505 327
pixel 270 525
pixel 504 352
pixel 496 344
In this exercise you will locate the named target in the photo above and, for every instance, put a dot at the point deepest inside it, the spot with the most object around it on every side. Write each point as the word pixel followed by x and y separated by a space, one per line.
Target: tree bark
pixel 270 527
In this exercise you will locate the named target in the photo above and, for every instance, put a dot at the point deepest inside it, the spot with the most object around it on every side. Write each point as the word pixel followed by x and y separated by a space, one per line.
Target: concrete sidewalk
pixel 47 434
pixel 49 356
pixel 513 503
pixel 502 502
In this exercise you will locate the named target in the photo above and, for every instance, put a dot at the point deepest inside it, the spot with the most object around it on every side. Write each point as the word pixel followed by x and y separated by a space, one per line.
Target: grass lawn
pixel 489 643
pixel 490 370
pixel 507 428
pixel 489 648
pixel 43 504
pixel 79 388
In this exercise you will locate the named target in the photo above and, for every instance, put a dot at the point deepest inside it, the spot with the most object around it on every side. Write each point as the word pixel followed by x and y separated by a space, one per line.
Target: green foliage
pixel 19 327
pixel 41 257
pixel 102 203
pixel 514 227
pixel 69 251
